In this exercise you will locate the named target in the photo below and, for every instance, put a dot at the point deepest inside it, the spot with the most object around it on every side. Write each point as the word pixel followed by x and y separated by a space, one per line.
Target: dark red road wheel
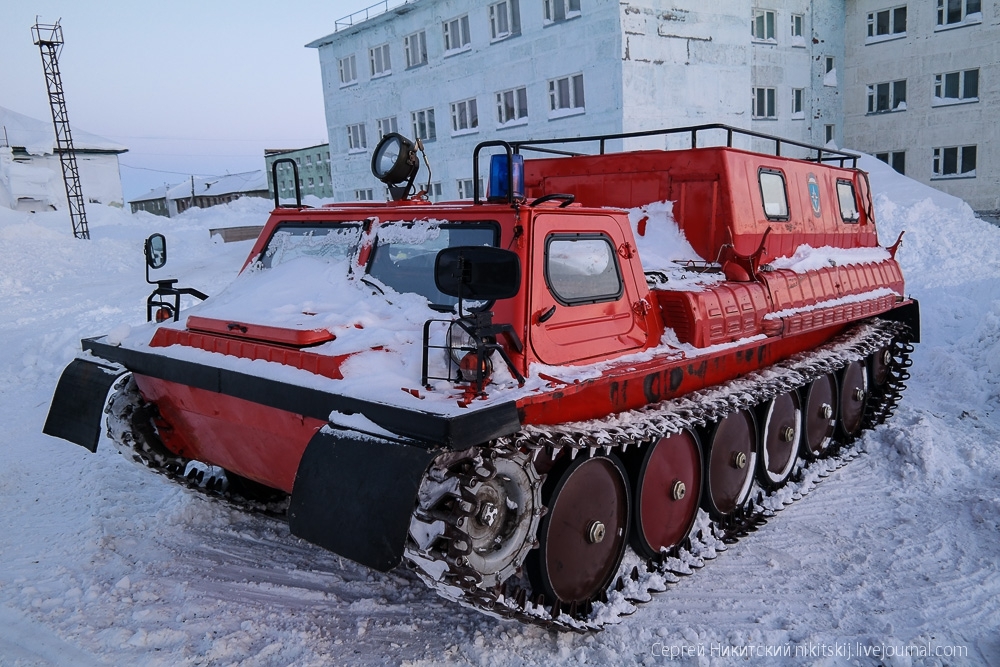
pixel 820 416
pixel 781 432
pixel 666 487
pixel 730 460
pixel 853 396
pixel 582 538
pixel 879 364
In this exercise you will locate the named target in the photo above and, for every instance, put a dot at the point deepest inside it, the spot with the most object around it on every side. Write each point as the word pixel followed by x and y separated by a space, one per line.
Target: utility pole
pixel 49 40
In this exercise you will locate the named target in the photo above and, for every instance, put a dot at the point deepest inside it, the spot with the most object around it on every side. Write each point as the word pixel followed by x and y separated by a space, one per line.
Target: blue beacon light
pixel 500 181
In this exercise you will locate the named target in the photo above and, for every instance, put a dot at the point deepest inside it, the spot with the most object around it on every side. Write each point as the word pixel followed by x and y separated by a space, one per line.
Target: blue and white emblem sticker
pixel 814 194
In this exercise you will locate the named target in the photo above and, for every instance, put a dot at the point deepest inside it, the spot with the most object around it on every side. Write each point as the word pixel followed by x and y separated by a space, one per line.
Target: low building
pixel 30 173
pixel 201 192
pixel 313 165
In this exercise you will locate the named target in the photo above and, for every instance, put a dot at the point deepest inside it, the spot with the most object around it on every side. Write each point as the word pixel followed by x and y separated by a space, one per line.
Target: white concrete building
pixel 923 88
pixel 458 72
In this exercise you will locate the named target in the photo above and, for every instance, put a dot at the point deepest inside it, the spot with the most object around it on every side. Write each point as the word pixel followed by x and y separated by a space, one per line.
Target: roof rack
pixel 822 154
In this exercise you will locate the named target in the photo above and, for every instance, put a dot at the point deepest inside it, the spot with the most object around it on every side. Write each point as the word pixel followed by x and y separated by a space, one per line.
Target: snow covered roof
pixel 214 186
pixel 37 137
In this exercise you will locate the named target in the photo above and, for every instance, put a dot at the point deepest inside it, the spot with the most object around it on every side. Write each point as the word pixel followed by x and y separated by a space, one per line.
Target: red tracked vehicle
pixel 507 393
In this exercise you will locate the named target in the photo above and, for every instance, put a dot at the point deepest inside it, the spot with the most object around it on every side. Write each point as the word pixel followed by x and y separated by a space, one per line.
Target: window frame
pixel 351 69
pixel 461 25
pixel 940 159
pixel 511 14
pixel 558 11
pixel 770 102
pixel 941 86
pixel 357 139
pixel 415 49
pixel 873 36
pixel 798 22
pixel 944 9
pixel 892 97
pixel 798 103
pixel 853 198
pixel 572 91
pixel 769 28
pixel 471 109
pixel 517 95
pixel 770 171
pixel 389 122
pixel 429 124
pixel 466 187
pixel 593 298
pixel 386 60
pixel 895 159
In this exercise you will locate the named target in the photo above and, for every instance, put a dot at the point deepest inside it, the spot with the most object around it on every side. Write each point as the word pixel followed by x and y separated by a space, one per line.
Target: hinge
pixel 626 250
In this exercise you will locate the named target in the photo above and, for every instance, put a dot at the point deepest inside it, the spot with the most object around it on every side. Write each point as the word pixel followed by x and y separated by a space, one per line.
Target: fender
pixel 354 495
pixel 907 313
pixel 77 410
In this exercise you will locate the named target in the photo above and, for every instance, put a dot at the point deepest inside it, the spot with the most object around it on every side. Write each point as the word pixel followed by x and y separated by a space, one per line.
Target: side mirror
pixel 479 273
pixel 156 251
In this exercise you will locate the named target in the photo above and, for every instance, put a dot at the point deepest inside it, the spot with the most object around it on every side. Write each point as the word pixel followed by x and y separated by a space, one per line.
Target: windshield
pixel 405 253
pixel 330 242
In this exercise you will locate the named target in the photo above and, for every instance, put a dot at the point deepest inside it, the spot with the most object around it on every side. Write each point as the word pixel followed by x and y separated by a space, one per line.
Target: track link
pixel 437 556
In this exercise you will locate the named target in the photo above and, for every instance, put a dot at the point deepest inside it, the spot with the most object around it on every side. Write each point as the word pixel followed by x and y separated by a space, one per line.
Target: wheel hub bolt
pixel 887 357
pixel 859 394
pixel 488 514
pixel 595 533
pixel 739 460
pixel 679 490
pixel 826 411
pixel 788 434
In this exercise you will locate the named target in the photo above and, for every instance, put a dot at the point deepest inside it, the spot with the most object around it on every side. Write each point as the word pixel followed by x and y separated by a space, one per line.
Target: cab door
pixel 583 301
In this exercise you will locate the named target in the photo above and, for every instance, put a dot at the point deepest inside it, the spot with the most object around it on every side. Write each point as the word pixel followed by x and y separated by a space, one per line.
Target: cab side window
pixel 848 201
pixel 582 268
pixel 773 194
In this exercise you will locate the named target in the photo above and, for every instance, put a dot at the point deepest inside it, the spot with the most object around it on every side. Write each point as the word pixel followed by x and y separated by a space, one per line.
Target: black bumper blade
pixel 78 404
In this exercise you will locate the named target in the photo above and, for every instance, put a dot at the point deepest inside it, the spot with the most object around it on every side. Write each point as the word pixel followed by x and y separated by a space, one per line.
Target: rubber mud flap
pixel 77 410
pixel 354 495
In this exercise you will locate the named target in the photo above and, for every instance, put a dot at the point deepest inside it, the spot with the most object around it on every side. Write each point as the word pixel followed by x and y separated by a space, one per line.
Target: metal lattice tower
pixel 49 39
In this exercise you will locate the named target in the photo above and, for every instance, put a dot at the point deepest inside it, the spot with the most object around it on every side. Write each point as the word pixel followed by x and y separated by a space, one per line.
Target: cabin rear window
pixel 773 194
pixel 582 268
pixel 848 202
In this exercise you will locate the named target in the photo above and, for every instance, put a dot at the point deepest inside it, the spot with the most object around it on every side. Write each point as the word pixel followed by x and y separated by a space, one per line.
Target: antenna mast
pixel 49 39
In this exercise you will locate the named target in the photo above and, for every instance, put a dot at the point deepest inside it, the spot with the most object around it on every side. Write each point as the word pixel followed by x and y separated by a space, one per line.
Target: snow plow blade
pixel 77 409
pixel 354 495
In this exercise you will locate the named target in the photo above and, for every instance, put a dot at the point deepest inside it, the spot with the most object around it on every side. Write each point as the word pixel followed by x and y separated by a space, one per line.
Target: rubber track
pixel 444 570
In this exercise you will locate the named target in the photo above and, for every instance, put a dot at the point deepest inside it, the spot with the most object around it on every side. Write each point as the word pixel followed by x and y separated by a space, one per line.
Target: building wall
pixel 923 50
pixel 314 172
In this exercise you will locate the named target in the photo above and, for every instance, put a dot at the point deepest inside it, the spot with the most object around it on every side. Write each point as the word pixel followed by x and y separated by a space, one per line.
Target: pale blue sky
pixel 189 86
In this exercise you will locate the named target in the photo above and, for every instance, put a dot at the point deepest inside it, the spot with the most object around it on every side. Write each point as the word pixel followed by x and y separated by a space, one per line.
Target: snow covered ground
pixel 103 563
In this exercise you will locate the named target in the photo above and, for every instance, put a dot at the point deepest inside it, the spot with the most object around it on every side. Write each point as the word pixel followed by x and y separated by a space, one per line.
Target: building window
pixel 348 70
pixel 312 183
pixel 379 60
pixel 560 10
pixel 328 157
pixel 365 194
pixel 829 64
pixel 423 125
pixel 955 161
pixel 434 191
pixel 321 180
pixel 465 188
pixel 884 97
pixel 955 87
pixel 797 21
pixel 415 46
pixel 798 109
pixel 566 96
pixel 505 19
pixel 763 103
pixel 887 23
pixel 309 160
pixel 950 12
pixel 512 106
pixel 830 132
pixel 386 126
pixel 456 34
pixel 464 116
pixel 895 159
pixel 356 140
pixel 762 25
